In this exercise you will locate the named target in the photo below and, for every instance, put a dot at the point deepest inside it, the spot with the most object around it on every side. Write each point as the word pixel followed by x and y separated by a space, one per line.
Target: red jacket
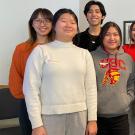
pixel 130 49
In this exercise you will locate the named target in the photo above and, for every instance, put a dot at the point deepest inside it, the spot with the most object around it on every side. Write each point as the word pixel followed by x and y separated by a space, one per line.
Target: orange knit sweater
pixel 16 75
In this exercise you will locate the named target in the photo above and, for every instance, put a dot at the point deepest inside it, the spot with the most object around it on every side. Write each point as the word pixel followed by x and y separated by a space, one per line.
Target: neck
pixel 111 51
pixel 42 39
pixel 94 30
pixel 63 39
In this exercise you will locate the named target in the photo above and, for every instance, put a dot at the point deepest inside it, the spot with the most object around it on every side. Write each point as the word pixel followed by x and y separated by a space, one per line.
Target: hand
pixel 39 131
pixel 91 128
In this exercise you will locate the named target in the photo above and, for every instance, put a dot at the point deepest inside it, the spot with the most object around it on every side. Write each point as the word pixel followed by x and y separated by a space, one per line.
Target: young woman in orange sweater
pixel 40 30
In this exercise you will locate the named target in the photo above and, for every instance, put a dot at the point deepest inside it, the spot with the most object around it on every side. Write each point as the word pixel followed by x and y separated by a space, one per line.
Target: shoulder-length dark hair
pixel 130 31
pixel 59 13
pixel 105 28
pixel 46 14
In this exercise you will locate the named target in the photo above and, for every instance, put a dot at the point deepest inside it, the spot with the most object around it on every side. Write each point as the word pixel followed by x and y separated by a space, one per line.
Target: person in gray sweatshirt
pixel 115 82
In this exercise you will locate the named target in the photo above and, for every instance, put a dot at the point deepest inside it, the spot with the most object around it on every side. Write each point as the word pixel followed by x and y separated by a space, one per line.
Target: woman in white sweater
pixel 60 84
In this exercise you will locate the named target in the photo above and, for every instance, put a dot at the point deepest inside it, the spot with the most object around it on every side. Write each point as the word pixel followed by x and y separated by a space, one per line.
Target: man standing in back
pixel 89 39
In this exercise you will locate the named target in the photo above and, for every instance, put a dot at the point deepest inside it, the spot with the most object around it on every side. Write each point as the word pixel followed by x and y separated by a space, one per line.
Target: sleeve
pixel 15 77
pixel 131 83
pixel 32 84
pixel 91 88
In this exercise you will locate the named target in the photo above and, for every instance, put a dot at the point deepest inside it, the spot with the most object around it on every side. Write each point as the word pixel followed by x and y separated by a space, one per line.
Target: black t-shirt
pixel 86 41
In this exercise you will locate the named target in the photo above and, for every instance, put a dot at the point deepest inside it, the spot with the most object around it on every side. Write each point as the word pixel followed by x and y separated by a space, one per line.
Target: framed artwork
pixel 126 26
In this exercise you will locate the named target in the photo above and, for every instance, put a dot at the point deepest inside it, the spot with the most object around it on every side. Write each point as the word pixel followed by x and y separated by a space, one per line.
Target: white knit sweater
pixel 59 78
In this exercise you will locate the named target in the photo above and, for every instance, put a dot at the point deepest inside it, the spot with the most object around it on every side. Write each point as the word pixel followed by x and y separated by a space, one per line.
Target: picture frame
pixel 126 26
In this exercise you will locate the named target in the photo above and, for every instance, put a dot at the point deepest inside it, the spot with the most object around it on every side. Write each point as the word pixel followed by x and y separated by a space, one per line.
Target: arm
pixel 91 93
pixel 32 85
pixel 15 76
pixel 131 83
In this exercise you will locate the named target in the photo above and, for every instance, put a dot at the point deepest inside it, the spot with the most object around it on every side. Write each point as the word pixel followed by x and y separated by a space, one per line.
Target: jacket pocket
pixel 113 103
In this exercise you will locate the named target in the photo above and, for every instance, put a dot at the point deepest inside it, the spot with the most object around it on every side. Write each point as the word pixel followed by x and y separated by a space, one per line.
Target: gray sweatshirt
pixel 115 82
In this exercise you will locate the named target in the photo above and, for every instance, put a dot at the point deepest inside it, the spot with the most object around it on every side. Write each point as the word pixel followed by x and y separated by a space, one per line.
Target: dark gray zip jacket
pixel 115 82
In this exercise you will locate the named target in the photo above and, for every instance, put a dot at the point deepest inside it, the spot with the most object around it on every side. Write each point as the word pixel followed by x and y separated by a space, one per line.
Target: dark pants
pixel 113 126
pixel 24 119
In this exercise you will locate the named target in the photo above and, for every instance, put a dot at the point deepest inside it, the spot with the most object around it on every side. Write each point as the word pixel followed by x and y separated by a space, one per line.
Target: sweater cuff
pixel 92 116
pixel 36 122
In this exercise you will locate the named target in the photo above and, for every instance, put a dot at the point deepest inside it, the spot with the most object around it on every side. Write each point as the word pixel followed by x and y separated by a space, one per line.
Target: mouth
pixel 43 29
pixel 94 19
pixel 112 43
pixel 68 30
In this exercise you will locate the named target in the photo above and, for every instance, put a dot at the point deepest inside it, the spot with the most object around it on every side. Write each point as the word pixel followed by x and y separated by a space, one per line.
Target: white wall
pixel 14 16
pixel 117 11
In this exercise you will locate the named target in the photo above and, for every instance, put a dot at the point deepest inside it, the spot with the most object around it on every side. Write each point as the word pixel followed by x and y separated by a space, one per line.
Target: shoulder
pixel 83 34
pixel 125 47
pixel 24 46
pixel 95 52
pixel 85 52
pixel 128 56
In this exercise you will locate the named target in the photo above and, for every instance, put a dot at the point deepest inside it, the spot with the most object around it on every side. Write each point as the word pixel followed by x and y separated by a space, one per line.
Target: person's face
pixel 42 26
pixel 66 27
pixel 94 16
pixel 111 39
pixel 133 33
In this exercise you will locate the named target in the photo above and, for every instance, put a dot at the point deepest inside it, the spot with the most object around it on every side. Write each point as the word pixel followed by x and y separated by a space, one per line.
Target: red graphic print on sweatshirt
pixel 113 66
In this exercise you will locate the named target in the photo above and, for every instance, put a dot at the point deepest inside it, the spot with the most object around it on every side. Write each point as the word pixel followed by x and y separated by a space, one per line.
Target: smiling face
pixel 66 27
pixel 111 40
pixel 133 34
pixel 94 16
pixel 42 26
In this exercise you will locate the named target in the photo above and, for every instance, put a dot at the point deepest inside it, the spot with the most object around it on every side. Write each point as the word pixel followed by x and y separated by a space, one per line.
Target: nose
pixel 43 22
pixel 112 36
pixel 93 13
pixel 68 24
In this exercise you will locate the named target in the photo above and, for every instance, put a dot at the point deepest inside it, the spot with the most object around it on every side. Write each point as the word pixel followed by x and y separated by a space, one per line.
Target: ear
pixel 103 17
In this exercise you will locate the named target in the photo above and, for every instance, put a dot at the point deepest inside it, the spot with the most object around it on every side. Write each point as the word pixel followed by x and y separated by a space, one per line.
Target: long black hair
pixel 46 13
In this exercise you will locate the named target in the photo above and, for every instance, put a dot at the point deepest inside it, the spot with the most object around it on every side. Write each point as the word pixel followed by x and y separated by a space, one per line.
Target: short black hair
pixel 93 2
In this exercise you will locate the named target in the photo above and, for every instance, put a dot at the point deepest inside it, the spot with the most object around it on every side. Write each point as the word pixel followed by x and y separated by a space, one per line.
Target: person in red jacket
pixel 130 49
pixel 40 29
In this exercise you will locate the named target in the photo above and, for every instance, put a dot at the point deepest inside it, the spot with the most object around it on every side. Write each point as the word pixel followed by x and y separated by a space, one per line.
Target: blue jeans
pixel 25 123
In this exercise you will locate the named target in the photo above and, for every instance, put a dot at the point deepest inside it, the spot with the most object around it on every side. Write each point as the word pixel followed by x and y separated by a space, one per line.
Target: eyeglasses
pixel 44 21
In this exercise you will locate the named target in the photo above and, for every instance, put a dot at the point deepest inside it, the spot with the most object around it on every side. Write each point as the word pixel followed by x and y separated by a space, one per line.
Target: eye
pixel 37 20
pixel 133 29
pixel 90 11
pixel 107 34
pixel 73 22
pixel 98 12
pixel 116 34
pixel 63 20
